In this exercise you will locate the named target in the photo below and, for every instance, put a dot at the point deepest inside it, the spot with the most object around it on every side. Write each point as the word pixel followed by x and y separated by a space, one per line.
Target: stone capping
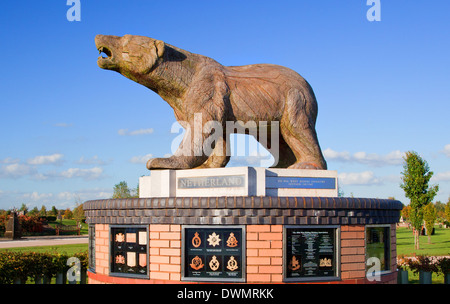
pixel 242 210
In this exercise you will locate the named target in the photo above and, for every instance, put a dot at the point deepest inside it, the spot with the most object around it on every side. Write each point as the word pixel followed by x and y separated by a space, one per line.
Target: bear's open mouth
pixel 106 51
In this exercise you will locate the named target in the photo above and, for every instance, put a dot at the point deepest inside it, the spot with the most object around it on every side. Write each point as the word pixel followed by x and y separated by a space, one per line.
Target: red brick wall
pixel 102 249
pixel 353 252
pixel 264 261
pixel 264 253
pixel 165 252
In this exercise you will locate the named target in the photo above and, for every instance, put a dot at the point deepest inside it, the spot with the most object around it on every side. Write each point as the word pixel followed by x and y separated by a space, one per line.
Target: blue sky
pixel 70 131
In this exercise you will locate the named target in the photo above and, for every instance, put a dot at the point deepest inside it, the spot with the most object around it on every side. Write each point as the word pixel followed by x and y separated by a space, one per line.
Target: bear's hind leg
pixel 298 130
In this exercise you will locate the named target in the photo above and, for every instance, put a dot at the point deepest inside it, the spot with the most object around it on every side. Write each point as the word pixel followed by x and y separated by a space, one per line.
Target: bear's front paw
pixel 155 163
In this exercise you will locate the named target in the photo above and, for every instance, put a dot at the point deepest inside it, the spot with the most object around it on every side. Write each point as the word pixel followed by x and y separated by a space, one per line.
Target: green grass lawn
pixel 67 222
pixel 440 242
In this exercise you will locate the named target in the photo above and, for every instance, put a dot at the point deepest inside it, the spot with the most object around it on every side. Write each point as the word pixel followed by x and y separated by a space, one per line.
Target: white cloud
pixel 339 156
pixel 141 159
pixel 441 177
pixel 63 125
pixel 35 196
pixel 16 171
pixel 359 178
pixel 9 160
pixel 88 174
pixel 95 160
pixel 371 159
pixel 46 159
pixel 446 150
pixel 61 200
pixel 125 132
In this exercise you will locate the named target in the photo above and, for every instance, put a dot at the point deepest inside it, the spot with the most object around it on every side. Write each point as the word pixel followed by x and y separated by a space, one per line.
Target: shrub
pixel 30 223
pixel 402 262
pixel 21 265
pixel 443 265
pixel 13 266
pixel 422 263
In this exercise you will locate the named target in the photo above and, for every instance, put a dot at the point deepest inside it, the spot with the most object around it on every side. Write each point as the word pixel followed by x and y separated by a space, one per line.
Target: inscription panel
pixel 310 253
pixel 211 182
pixel 213 253
pixel 300 182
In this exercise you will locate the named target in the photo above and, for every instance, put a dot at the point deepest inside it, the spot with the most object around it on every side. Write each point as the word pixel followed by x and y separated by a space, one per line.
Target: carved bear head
pixel 129 55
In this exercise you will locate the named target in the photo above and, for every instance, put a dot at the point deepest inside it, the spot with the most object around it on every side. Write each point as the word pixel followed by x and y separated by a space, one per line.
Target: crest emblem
pixel 197 263
pixel 325 262
pixel 214 239
pixel 294 264
pixel 214 263
pixel 120 259
pixel 232 241
pixel 232 264
pixel 196 241
pixel 120 238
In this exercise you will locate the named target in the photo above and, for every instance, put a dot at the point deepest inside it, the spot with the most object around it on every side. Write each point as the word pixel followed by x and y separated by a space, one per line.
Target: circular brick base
pixel 263 218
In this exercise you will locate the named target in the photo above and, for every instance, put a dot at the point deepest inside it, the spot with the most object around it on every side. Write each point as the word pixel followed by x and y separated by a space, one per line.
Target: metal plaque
pixel 213 253
pixel 211 182
pixel 300 182
pixel 310 253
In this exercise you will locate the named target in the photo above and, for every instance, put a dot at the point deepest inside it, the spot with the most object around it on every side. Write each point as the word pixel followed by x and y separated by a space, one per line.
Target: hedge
pixel 18 265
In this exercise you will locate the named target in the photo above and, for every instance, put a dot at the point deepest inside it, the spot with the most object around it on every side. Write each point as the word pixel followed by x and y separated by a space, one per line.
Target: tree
pixel 416 176
pixel 121 190
pixel 136 192
pixel 78 212
pixel 24 208
pixel 53 211
pixel 429 216
pixel 68 214
pixel 447 211
pixel 43 211
pixel 406 211
pixel 34 211
pixel 440 209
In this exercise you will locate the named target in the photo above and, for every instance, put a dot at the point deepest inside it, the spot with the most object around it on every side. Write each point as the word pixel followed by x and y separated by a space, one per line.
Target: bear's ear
pixel 160 47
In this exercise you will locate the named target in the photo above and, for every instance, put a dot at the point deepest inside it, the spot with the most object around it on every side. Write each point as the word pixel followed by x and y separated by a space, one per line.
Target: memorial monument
pixel 197 221
pixel 13 230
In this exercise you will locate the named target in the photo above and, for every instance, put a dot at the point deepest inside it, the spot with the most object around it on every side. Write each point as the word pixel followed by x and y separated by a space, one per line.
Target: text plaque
pixel 211 182
pixel 310 253
pixel 300 182
pixel 214 253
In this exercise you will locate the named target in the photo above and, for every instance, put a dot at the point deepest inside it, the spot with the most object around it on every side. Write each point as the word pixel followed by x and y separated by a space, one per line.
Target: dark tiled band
pixel 243 210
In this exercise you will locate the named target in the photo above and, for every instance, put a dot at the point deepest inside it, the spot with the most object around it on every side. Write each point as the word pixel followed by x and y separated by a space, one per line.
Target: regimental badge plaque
pixel 129 251
pixel 310 253
pixel 213 253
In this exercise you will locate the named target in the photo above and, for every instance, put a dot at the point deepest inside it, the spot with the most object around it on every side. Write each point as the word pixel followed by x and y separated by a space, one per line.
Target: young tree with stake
pixel 416 176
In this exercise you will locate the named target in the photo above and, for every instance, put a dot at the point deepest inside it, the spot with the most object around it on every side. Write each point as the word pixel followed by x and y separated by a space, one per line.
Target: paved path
pixel 43 241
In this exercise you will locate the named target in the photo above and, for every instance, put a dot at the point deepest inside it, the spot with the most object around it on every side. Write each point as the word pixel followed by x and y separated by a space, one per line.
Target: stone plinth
pixel 239 181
